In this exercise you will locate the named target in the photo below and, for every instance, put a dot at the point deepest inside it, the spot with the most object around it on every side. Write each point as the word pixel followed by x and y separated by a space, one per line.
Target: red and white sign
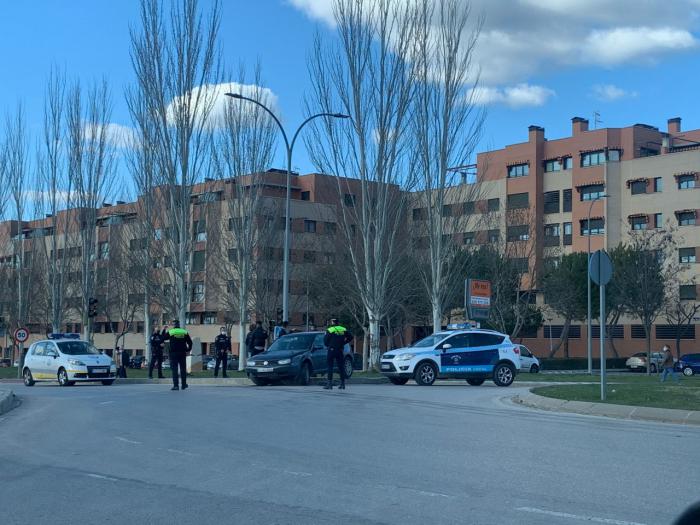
pixel 479 293
pixel 21 335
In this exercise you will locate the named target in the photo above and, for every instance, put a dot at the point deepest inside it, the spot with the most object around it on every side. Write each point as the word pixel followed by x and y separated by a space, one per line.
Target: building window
pixel 419 214
pixel 199 230
pixel 447 210
pixel 468 238
pixel 468 208
pixel 592 158
pixel 552 165
pixel 551 202
pixel 198 292
pixel 686 182
pixel 158 234
pixel 592 192
pixel 137 244
pixel 567 198
pixel 597 227
pixel 551 234
pixel 658 184
pixel 192 318
pixel 518 170
pixel 494 236
pixel 638 186
pixel 687 292
pixel 306 195
pixel 658 220
pixel 639 223
pixel 349 200
pixel 520 264
pixel 614 155
pixel 516 201
pixel 568 163
pixel 686 218
pixel 103 251
pixel 494 204
pixel 520 232
pixel 198 260
pixel 568 231
pixel 309 226
pixel 235 224
pixel 209 318
pixel 686 255
pixel 648 152
pixel 330 228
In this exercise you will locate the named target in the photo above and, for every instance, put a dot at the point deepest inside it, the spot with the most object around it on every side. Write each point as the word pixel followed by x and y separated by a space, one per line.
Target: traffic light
pixel 279 315
pixel 92 307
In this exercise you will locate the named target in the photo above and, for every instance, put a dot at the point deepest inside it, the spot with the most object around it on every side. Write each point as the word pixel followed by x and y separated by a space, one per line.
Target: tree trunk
pixel 563 340
pixel 437 317
pixel 365 350
pixel 678 344
pixel 374 340
pixel 242 311
pixel 648 341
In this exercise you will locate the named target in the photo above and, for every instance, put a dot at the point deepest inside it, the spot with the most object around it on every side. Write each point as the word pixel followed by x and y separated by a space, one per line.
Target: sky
pixel 541 62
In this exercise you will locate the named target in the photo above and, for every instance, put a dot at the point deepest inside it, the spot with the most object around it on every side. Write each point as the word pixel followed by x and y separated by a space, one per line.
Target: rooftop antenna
pixel 596 119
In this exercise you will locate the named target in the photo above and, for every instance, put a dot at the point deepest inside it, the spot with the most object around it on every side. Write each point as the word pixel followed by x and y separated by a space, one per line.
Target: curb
pixel 8 401
pixel 240 381
pixel 658 415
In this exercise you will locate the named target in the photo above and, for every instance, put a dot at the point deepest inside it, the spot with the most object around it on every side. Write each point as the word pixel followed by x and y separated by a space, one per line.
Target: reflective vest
pixel 177 333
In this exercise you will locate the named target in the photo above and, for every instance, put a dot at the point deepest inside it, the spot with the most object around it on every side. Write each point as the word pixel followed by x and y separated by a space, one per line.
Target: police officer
pixel 222 344
pixel 180 344
pixel 156 341
pixel 260 336
pixel 337 336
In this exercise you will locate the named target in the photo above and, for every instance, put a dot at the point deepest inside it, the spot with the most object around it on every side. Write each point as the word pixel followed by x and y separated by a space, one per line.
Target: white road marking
pixel 127 440
pixel 594 519
pixel 176 451
pixel 98 476
pixel 106 402
pixel 294 473
pixel 431 494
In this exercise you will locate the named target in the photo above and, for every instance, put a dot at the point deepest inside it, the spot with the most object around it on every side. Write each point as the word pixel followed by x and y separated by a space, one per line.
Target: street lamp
pixel 290 148
pixel 588 274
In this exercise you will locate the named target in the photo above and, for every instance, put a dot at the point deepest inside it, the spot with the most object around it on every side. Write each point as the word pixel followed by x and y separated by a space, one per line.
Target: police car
pixel 67 359
pixel 462 351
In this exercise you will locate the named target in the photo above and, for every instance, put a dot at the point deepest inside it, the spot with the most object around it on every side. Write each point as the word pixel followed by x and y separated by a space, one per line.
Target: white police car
pixel 67 359
pixel 473 354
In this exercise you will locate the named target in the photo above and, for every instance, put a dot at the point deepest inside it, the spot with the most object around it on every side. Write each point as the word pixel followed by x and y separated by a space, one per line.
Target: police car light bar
pixel 463 326
pixel 59 335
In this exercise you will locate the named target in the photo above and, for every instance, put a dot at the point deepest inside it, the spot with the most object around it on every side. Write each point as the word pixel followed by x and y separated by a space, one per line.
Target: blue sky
pixel 542 61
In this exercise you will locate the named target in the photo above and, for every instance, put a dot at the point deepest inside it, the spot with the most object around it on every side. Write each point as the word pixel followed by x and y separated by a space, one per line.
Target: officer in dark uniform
pixel 222 344
pixel 180 344
pixel 156 341
pixel 259 337
pixel 336 338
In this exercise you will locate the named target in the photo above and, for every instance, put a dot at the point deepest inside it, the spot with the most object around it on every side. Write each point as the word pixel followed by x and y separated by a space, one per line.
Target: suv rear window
pixel 478 339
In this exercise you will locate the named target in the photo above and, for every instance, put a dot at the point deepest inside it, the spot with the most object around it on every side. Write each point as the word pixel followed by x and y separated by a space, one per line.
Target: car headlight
pixel 284 361
pixel 75 362
pixel 250 363
pixel 405 357
pixel 113 366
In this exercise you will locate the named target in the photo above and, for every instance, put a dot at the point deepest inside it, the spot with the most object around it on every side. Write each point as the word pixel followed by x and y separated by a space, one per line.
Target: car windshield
pixel 77 348
pixel 292 342
pixel 429 341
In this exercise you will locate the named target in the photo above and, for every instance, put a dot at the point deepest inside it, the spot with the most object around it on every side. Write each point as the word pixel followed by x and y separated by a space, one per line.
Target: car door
pixel 483 352
pixel 35 360
pixel 52 363
pixel 454 357
pixel 319 355
pixel 526 360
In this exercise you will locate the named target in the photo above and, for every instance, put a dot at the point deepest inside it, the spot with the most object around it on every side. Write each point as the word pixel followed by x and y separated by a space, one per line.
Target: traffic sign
pixel 600 268
pixel 21 335
pixel 478 298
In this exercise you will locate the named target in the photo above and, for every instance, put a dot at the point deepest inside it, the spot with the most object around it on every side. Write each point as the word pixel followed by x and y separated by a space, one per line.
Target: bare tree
pixel 176 60
pixel 368 76
pixel 679 312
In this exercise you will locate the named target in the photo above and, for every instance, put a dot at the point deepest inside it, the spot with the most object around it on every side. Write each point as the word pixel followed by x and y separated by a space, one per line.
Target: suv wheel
pixel 304 377
pixel 503 375
pixel 63 378
pixel 534 369
pixel 398 380
pixel 475 382
pixel 687 371
pixel 27 376
pixel 348 367
pixel 425 374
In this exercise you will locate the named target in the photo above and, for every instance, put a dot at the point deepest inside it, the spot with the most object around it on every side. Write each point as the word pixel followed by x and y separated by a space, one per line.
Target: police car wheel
pixel 534 369
pixel 425 374
pixel 503 375
pixel 475 382
pixel 348 367
pixel 27 376
pixel 304 377
pixel 398 380
pixel 63 378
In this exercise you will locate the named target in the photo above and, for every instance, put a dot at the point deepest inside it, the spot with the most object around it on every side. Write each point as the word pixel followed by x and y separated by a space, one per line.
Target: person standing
pixel 124 356
pixel 180 344
pixel 156 341
pixel 249 341
pixel 260 336
pixel 337 336
pixel 668 365
pixel 222 345
pixel 281 330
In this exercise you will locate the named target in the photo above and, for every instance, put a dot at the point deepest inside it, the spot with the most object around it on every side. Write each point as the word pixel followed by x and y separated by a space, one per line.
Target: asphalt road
pixel 371 454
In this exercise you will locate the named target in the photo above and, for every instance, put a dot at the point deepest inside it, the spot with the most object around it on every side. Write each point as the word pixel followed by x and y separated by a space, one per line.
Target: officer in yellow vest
pixel 180 344
pixel 336 338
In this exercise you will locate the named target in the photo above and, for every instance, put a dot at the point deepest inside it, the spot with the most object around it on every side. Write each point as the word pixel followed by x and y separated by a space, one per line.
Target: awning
pixel 632 181
pixel 694 212
pixel 686 173
pixel 638 216
pixel 594 183
pixel 517 163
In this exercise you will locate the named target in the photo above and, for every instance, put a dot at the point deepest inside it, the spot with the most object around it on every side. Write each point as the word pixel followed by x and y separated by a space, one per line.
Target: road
pixel 371 454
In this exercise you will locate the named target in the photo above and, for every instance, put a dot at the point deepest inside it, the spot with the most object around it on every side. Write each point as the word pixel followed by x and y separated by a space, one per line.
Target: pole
pixel 550 336
pixel 602 343
pixel 466 315
pixel 589 351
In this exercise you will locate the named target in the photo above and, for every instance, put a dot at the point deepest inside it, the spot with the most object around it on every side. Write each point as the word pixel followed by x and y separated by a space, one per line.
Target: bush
pixel 581 363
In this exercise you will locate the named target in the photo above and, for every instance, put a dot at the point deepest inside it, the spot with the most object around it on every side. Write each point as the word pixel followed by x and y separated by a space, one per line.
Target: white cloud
pixel 318 9
pixel 610 92
pixel 117 135
pixel 519 95
pixel 623 44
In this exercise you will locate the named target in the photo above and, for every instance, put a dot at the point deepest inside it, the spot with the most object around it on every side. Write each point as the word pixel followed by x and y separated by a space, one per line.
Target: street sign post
pixel 600 269
pixel 477 298
pixel 20 336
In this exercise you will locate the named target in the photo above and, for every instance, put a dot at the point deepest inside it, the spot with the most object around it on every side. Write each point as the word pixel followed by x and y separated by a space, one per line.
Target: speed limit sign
pixel 21 335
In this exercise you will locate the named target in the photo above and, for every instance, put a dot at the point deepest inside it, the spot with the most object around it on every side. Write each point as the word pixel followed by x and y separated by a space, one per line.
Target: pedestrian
pixel 259 339
pixel 180 345
pixel 668 365
pixel 281 330
pixel 249 341
pixel 156 342
pixel 222 344
pixel 124 357
pixel 337 336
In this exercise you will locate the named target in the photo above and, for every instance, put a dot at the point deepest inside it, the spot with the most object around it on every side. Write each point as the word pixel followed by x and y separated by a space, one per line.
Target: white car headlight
pixel 76 362
pixel 405 357
pixel 284 361
pixel 250 363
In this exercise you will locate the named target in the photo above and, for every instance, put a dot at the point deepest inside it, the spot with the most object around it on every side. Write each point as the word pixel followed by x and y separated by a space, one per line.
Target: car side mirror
pixel 446 346
pixel 53 354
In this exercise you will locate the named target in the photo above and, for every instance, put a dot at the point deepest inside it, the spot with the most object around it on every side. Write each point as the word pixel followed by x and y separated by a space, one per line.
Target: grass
pixel 685 396
pixel 623 377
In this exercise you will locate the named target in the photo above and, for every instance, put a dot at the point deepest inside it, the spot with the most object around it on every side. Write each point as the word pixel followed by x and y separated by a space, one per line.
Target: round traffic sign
pixel 600 268
pixel 21 335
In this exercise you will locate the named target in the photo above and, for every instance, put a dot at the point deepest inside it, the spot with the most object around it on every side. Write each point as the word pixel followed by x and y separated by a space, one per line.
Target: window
pixel 518 200
pixel 567 198
pixel 494 204
pixel 468 238
pixel 137 244
pixel 568 163
pixel 592 158
pixel 457 341
pixel 669 331
pixel 614 332
pixel 638 186
pixel 158 234
pixel 192 318
pixel 447 210
pixel 468 208
pixel 520 264
pixel 306 195
pixel 231 287
pixel 597 227
pixel 198 292
pixel 687 292
pixel 686 218
pixel 686 255
pixel 551 263
pixel 103 251
pixel 637 331
pixel 639 223
pixel 658 184
pixel 198 261
pixel 419 214
pixel 210 196
pixel 568 231
pixel 551 202
pixel 686 182
pixel 349 199
pixel 518 170
pixel 494 236
pixel 309 226
pixel 199 230
pixel 592 192
pixel 551 234
pixel 330 228
pixel 479 339
pixel 648 152
pixel 614 155
pixel 518 233
pixel 209 318
pixel 235 223
pixel 658 220
pixel 552 165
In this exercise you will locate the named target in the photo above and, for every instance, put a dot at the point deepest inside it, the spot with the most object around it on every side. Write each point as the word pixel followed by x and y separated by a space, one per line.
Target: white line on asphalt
pixel 578 517
pixel 98 476
pixel 127 440
pixel 294 473
pixel 431 494
pixel 106 402
pixel 180 452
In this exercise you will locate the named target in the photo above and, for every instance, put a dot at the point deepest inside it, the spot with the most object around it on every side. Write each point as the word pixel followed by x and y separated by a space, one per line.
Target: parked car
pixel 638 361
pixel 528 360
pixel 136 361
pixel 231 363
pixel 296 357
pixel 690 364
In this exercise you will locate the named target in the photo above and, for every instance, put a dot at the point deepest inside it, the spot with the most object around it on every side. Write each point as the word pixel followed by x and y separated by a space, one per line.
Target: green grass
pixel 8 373
pixel 624 377
pixel 685 396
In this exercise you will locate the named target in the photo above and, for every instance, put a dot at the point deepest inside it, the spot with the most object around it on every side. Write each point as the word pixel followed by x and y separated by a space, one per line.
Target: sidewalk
pixel 665 415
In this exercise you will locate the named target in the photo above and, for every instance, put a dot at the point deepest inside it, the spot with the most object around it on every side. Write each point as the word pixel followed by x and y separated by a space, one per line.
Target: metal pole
pixel 602 343
pixel 550 336
pixel 589 351
pixel 287 220
pixel 466 315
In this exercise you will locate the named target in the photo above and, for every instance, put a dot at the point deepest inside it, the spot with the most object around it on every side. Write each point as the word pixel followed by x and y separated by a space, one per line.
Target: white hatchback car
pixel 67 359
pixel 528 360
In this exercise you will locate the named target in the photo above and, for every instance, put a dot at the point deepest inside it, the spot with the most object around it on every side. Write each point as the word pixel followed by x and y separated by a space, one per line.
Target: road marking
pixel 578 517
pixel 176 451
pixel 127 440
pixel 98 476
pixel 294 473
pixel 106 402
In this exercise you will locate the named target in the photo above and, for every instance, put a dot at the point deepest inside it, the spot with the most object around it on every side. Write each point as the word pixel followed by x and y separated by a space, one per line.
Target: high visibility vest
pixel 337 329
pixel 177 333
